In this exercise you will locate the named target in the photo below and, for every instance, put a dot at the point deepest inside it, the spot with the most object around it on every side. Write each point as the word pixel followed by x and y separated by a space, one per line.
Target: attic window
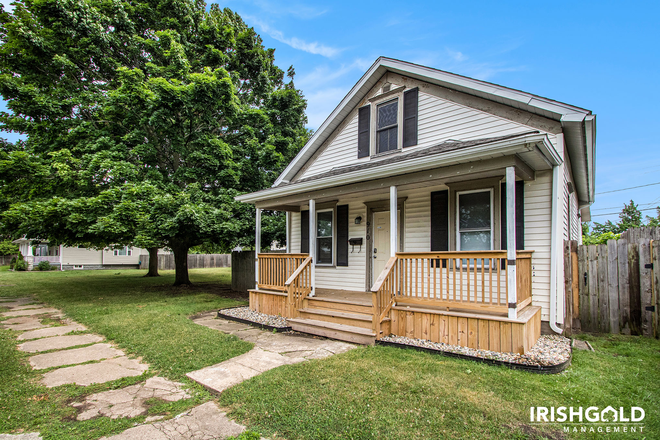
pixel 387 130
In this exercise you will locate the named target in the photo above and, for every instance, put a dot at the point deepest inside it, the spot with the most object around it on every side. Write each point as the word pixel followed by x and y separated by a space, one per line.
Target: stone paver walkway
pixel 271 351
pixel 130 401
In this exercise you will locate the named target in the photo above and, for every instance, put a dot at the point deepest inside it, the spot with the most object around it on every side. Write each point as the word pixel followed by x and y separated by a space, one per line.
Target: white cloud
pixel 456 55
pixel 313 47
pixel 299 10
pixel 458 62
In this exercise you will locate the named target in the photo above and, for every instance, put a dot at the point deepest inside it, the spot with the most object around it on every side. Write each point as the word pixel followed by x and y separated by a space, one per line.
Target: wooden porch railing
pixel 275 269
pixel 463 280
pixel 383 293
pixel 298 286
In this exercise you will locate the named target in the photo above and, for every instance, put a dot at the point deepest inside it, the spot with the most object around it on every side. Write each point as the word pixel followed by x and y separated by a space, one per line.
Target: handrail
pixel 383 293
pixel 298 286
pixel 297 272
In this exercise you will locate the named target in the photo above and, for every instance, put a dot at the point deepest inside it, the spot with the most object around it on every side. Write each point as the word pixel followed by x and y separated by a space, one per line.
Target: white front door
pixel 381 250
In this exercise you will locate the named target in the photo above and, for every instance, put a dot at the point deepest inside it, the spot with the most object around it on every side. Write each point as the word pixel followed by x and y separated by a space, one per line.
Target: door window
pixel 475 220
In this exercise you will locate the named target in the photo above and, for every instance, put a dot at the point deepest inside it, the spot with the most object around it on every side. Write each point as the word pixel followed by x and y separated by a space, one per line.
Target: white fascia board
pixel 549 151
pixel 407 166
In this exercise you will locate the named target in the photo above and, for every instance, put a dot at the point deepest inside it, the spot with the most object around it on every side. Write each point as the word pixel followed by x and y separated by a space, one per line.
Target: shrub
pixel 20 263
pixel 44 265
pixel 12 263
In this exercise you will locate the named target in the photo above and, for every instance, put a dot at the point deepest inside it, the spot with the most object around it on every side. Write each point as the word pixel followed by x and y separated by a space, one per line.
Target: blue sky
pixel 603 56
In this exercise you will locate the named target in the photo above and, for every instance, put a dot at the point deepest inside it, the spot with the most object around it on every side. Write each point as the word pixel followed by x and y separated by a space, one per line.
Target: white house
pixel 432 205
pixel 67 258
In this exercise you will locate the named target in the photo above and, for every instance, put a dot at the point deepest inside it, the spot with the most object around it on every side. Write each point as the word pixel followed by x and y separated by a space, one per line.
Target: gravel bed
pixel 549 350
pixel 259 318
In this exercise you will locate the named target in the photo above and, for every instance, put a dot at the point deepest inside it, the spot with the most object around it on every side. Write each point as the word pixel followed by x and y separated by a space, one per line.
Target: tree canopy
pixel 629 217
pixel 143 120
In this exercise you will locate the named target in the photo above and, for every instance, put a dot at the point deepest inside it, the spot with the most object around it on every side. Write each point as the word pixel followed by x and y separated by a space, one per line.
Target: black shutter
pixel 342 235
pixel 440 221
pixel 410 104
pixel 364 126
pixel 520 216
pixel 304 232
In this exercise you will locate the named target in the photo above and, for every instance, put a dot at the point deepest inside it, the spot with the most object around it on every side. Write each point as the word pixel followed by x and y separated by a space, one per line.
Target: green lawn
pixel 389 393
pixel 367 393
pixel 144 316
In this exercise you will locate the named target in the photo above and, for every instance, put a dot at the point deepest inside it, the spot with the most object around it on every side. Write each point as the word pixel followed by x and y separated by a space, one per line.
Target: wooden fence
pixel 6 259
pixel 195 261
pixel 614 287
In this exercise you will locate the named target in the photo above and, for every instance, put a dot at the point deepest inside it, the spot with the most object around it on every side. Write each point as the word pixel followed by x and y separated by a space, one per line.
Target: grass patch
pixel 146 317
pixel 389 393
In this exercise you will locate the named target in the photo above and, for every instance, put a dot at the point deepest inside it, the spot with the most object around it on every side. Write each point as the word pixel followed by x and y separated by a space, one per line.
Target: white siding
pixel 417 234
pixel 439 120
pixel 72 255
pixel 341 151
pixel 134 258
pixel 353 276
pixel 538 219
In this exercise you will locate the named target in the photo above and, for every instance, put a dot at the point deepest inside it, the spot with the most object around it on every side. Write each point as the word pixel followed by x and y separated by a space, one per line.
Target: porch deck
pixel 452 297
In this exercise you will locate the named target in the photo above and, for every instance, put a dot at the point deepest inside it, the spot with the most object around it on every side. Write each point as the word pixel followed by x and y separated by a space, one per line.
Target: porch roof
pixel 443 156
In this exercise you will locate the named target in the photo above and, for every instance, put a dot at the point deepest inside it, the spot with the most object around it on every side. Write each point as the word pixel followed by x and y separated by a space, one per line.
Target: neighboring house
pixel 430 205
pixel 68 258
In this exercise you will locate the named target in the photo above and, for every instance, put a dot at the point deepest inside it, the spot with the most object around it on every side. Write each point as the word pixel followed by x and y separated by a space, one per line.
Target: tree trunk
pixel 180 264
pixel 153 262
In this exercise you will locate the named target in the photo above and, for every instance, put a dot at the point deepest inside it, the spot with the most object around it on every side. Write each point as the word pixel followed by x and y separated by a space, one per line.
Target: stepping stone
pixel 26 323
pixel 19 320
pixel 74 356
pixel 219 377
pixel 58 342
pixel 24 436
pixel 51 331
pixel 32 306
pixel 202 422
pixel 104 371
pixel 18 302
pixel 130 401
pixel 40 311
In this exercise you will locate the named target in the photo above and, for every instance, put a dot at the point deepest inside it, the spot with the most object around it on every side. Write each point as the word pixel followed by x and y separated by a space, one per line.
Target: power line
pixel 614 213
pixel 625 189
pixel 639 204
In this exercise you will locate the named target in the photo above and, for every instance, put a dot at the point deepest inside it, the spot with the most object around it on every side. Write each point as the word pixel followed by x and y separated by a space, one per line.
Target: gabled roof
pixel 579 125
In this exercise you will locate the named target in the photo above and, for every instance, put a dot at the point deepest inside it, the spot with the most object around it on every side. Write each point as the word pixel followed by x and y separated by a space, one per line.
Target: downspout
pixel 553 250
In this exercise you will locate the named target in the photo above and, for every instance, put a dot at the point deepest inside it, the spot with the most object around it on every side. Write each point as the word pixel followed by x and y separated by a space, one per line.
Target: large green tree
pixel 143 120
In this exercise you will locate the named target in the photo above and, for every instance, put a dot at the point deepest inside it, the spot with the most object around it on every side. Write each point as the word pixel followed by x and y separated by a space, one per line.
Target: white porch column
pixel 511 240
pixel 29 250
pixel 312 242
pixel 257 248
pixel 288 232
pixel 394 228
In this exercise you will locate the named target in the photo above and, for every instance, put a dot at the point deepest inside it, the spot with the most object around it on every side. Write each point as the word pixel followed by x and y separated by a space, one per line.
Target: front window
pixel 324 230
pixel 387 133
pixel 475 220
pixel 123 252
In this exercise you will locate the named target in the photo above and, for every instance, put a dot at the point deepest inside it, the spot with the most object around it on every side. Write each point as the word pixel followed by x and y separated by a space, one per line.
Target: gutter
pixel 404 167
pixel 554 248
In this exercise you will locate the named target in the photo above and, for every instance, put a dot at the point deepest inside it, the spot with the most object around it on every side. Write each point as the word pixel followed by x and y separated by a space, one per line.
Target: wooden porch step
pixel 354 319
pixel 339 304
pixel 349 333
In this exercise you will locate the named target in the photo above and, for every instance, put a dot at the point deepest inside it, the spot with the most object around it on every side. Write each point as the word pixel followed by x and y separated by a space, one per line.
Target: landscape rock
pixel 31 312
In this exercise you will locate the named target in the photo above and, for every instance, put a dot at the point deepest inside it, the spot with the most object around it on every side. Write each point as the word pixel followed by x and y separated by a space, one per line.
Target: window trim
pixel 334 237
pixel 129 252
pixel 458 211
pixel 384 98
pixel 394 100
